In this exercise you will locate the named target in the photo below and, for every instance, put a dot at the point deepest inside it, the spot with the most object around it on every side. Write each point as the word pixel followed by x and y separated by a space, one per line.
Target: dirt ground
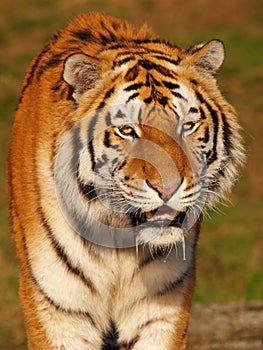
pixel 230 326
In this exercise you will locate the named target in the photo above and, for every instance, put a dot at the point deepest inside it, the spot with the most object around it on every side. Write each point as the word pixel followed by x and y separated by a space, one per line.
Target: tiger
pixel 120 143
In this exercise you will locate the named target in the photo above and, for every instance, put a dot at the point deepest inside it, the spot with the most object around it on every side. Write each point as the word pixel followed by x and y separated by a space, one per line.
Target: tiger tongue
pixel 162 213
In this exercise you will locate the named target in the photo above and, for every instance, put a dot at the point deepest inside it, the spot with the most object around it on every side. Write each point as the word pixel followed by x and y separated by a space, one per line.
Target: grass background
pixel 230 258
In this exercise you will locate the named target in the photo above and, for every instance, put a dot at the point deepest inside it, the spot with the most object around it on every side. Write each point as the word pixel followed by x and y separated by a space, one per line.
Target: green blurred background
pixel 230 252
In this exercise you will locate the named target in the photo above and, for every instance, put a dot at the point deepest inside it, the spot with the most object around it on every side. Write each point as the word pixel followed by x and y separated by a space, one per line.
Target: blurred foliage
pixel 230 259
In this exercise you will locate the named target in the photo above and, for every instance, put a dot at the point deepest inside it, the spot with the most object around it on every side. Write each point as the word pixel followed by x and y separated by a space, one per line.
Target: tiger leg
pixel 49 328
pixel 160 322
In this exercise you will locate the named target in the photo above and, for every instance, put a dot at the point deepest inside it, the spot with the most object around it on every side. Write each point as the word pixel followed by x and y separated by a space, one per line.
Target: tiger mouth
pixel 163 216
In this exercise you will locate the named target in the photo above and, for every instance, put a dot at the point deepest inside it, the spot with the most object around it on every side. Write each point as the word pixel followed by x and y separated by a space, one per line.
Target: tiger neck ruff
pixel 120 142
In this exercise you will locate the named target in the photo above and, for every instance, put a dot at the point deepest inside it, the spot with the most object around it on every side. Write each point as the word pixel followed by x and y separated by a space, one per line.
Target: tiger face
pixel 152 177
pixel 148 163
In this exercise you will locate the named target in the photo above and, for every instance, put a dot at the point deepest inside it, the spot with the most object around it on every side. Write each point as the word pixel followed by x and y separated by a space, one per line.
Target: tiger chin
pixel 120 142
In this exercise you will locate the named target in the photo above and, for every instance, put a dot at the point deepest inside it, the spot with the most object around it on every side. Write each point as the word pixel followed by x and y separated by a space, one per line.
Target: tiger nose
pixel 164 192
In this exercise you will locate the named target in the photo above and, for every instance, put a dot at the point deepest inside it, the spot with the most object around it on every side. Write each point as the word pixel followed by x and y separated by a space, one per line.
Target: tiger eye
pixel 126 130
pixel 188 126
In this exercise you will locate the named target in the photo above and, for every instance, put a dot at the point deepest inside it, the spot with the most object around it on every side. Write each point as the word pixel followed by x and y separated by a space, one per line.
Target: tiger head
pixel 153 145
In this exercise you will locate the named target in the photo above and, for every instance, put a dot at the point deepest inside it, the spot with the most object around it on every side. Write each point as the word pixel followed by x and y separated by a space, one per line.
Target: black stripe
pixel 122 165
pixel 132 97
pixel 58 84
pixel 67 311
pixel 173 109
pixel 147 41
pixel 154 41
pixel 53 62
pixel 130 344
pixel 226 135
pixel 108 119
pixel 104 40
pixel 87 190
pixel 208 153
pixel 199 96
pixel 85 35
pixel 203 116
pixel 214 116
pixel 90 139
pixel 139 52
pixel 77 146
pixel 212 155
pixel 125 60
pixel 189 187
pixel 109 93
pixel 205 139
pixel 170 86
pixel 163 100
pixel 102 104
pixel 193 110
pixel 168 287
pixel 148 99
pixel 92 156
pixel 140 49
pixel 110 339
pixel 150 80
pixel 221 172
pixel 133 87
pixel 132 73
pixel 190 194
pixel 152 321
pixel 168 59
pixel 116 25
pixel 151 51
pixel 112 35
pixel 69 90
pixel 117 47
pixel 153 66
pixel 140 116
pixel 178 95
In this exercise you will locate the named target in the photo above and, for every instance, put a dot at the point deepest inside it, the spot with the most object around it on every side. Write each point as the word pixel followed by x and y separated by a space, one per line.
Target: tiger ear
pixel 81 73
pixel 207 57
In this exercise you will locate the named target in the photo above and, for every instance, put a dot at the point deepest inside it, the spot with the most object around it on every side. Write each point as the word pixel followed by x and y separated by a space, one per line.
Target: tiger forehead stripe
pixel 168 59
pixel 149 65
pixel 171 86
pixel 143 51
pixel 124 60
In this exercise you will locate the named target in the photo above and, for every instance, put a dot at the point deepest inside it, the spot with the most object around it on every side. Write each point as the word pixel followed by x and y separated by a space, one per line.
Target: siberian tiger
pixel 120 142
